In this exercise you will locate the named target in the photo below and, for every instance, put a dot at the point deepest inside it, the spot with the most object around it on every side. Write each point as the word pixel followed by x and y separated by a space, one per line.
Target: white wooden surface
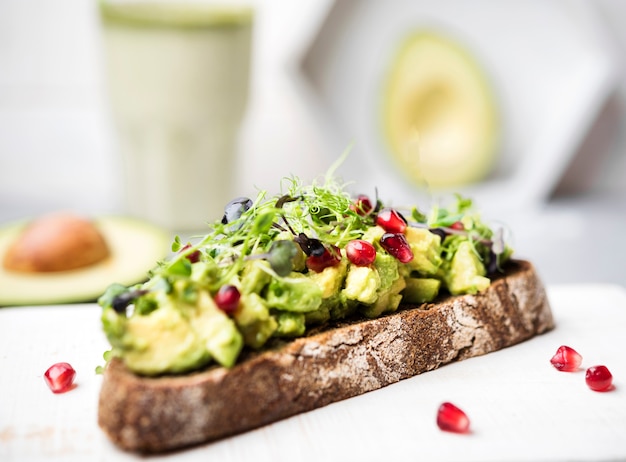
pixel 520 407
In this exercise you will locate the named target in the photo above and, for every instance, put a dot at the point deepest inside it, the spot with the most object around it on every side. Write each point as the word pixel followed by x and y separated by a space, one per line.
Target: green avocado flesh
pixel 277 266
pixel 439 113
pixel 135 247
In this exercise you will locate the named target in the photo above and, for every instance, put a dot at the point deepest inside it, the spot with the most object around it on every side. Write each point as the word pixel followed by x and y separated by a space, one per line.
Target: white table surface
pixel 520 407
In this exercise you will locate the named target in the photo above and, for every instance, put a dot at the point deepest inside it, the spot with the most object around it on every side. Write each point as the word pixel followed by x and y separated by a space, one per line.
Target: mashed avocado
pixel 274 267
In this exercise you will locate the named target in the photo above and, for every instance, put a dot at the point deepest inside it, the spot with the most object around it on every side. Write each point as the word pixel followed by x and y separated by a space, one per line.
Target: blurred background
pixel 555 79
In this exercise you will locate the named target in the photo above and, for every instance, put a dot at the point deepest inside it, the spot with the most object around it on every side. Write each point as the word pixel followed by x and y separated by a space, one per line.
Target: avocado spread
pixel 276 266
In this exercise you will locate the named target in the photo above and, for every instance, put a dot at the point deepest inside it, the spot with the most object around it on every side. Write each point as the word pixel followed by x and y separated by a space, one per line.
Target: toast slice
pixel 158 414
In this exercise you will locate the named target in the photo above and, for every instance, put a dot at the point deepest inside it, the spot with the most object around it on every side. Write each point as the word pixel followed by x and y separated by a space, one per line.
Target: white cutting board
pixel 520 407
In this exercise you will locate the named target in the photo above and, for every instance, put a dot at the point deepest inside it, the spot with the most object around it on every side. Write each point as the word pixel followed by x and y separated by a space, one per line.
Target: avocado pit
pixel 60 241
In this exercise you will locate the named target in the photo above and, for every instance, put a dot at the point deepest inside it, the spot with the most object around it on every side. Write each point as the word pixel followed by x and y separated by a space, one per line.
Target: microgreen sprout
pixel 318 219
pixel 119 297
pixel 280 256
pixel 460 220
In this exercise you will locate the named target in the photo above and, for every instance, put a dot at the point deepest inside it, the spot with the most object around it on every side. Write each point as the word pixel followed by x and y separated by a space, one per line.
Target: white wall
pixel 613 172
pixel 52 142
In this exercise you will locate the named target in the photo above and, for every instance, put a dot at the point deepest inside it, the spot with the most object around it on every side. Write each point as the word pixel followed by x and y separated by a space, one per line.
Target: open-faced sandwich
pixel 301 299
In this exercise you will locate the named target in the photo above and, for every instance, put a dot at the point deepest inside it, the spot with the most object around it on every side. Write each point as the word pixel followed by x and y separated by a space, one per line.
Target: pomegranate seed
pixel 599 378
pixel 330 257
pixel 391 221
pixel 227 299
pixel 60 377
pixel 566 359
pixel 360 252
pixel 452 419
pixel 457 225
pixel 362 206
pixel 194 256
pixel 397 246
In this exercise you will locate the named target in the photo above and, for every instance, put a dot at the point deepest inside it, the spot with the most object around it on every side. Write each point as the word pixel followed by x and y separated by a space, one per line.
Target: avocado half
pixel 440 118
pixel 135 248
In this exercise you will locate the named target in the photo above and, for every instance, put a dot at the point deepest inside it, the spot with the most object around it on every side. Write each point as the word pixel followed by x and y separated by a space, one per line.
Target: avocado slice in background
pixel 440 117
pixel 136 247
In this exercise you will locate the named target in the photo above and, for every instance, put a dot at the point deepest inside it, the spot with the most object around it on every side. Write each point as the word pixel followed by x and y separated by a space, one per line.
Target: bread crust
pixel 160 414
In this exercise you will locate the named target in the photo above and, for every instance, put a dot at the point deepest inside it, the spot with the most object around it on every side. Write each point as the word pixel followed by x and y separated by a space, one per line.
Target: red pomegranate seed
pixel 194 256
pixel 599 378
pixel 457 225
pixel 391 221
pixel 318 263
pixel 566 359
pixel 452 419
pixel 60 377
pixel 362 206
pixel 360 252
pixel 397 246
pixel 227 299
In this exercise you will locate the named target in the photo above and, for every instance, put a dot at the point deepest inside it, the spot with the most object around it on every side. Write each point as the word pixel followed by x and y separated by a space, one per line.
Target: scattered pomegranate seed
pixel 452 419
pixel 566 359
pixel 599 378
pixel 362 206
pixel 391 221
pixel 360 252
pixel 227 299
pixel 194 256
pixel 60 377
pixel 457 225
pixel 397 246
pixel 330 257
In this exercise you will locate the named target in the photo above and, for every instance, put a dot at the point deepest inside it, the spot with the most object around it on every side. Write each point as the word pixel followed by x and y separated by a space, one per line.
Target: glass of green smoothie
pixel 177 76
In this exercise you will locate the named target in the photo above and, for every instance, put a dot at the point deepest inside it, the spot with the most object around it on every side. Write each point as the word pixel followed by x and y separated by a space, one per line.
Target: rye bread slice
pixel 160 414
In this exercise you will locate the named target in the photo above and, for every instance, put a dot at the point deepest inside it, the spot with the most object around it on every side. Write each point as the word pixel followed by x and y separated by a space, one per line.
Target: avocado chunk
pixel 387 295
pixel 426 247
pixel 333 305
pixel 216 330
pixel 331 279
pixel 163 342
pixel 254 320
pixel 290 324
pixel 387 267
pixel 175 337
pixel 160 342
pixel 467 273
pixel 296 293
pixel 420 290
pixel 362 283
pixel 373 234
pixel 387 302
pixel 321 315
pixel 254 278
